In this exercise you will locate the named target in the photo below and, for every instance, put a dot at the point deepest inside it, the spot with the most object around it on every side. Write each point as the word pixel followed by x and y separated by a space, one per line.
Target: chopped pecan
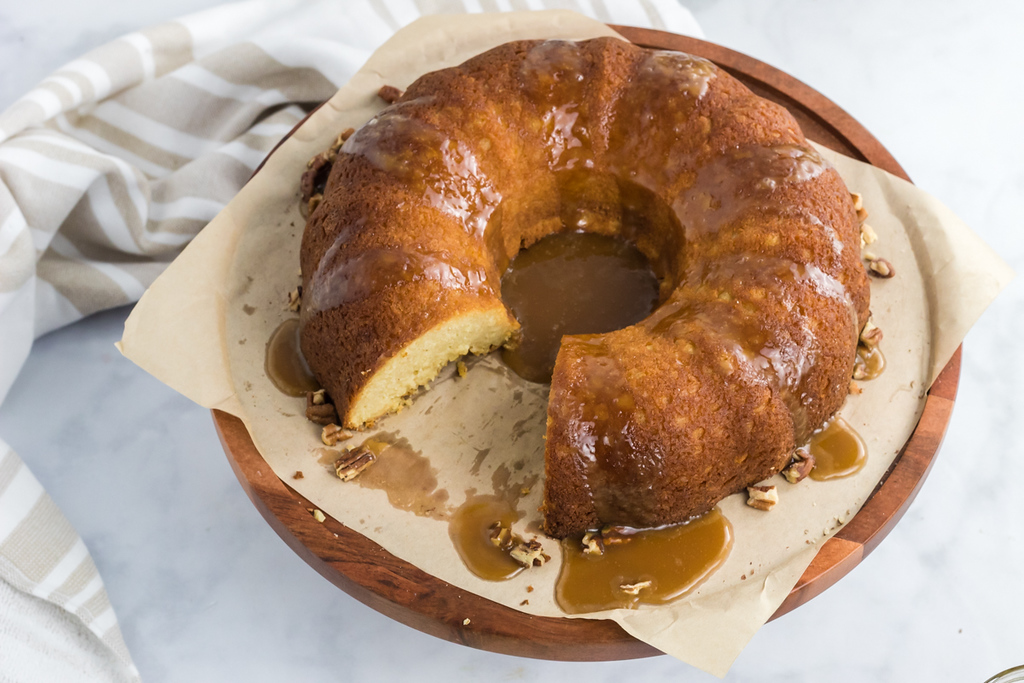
pixel 871 335
pixel 331 434
pixel 867 235
pixel 799 467
pixel 592 544
pixel 352 462
pixel 762 497
pixel 501 536
pixel 319 409
pixel 613 535
pixel 529 554
pixel 389 93
pixel 860 368
pixel 879 267
pixel 295 299
pixel 340 140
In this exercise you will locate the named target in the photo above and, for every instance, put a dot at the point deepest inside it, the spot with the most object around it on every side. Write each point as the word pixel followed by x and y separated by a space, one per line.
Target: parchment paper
pixel 202 328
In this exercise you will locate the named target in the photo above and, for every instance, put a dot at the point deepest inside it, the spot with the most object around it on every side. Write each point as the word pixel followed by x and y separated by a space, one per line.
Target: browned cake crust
pixel 753 237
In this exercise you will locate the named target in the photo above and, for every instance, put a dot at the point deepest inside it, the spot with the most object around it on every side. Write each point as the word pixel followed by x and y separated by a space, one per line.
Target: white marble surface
pixel 205 590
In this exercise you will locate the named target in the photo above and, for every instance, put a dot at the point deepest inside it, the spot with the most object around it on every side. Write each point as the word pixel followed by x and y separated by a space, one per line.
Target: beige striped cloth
pixel 107 169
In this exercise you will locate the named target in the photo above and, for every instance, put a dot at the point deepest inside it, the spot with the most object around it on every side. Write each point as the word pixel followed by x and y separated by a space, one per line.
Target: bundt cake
pixel 753 238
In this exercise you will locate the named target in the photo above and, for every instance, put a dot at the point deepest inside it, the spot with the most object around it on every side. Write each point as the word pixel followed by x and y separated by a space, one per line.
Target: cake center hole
pixel 572 283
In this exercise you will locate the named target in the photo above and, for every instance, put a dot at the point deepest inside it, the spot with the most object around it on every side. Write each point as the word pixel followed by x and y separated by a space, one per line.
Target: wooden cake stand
pixel 403 592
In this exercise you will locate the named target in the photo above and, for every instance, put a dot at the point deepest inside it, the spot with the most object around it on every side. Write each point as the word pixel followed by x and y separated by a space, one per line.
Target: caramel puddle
pixel 284 364
pixel 838 451
pixel 480 530
pixel 642 566
pixel 404 474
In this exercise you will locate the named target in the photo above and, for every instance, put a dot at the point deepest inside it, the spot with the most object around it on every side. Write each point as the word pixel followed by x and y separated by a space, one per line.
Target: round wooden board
pixel 394 587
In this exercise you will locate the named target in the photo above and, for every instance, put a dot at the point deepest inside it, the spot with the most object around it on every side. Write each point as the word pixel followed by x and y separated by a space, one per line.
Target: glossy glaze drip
pixel 474 529
pixel 284 364
pixel 602 433
pixel 838 451
pixel 741 181
pixel 638 148
pixel 572 283
pixel 674 559
pixel 553 77
pixel 444 172
pixel 719 313
pixel 375 270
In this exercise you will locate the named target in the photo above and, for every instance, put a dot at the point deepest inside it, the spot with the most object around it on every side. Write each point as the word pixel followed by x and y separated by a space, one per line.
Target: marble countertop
pixel 183 551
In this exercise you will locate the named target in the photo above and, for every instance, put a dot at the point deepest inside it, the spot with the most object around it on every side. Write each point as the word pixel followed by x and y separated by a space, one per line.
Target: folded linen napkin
pixel 108 168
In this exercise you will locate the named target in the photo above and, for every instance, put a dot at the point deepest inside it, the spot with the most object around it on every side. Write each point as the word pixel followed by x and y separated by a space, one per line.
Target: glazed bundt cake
pixel 753 238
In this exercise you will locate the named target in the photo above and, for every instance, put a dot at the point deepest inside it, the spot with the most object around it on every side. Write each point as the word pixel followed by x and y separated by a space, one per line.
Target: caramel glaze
pixel 284 364
pixel 870 361
pixel 743 224
pixel 673 559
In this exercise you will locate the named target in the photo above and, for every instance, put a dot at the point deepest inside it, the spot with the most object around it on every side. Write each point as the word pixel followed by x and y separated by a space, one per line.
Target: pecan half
pixel 352 462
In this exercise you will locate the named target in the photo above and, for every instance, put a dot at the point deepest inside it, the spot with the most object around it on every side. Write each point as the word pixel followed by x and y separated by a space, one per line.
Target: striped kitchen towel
pixel 108 168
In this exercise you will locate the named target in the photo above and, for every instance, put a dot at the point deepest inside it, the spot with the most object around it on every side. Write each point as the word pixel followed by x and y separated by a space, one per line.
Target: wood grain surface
pixel 396 588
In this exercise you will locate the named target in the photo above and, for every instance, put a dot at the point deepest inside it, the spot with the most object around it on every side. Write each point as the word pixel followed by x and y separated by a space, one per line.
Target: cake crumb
pixel 461 367
pixel 298 474
pixel 294 300
pixel 318 515
pixel 466 621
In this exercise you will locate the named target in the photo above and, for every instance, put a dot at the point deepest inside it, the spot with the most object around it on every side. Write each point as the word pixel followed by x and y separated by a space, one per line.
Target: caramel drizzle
pixel 780 358
pixel 445 171
pixel 354 279
pixel 720 195
pixel 552 75
pixel 601 428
